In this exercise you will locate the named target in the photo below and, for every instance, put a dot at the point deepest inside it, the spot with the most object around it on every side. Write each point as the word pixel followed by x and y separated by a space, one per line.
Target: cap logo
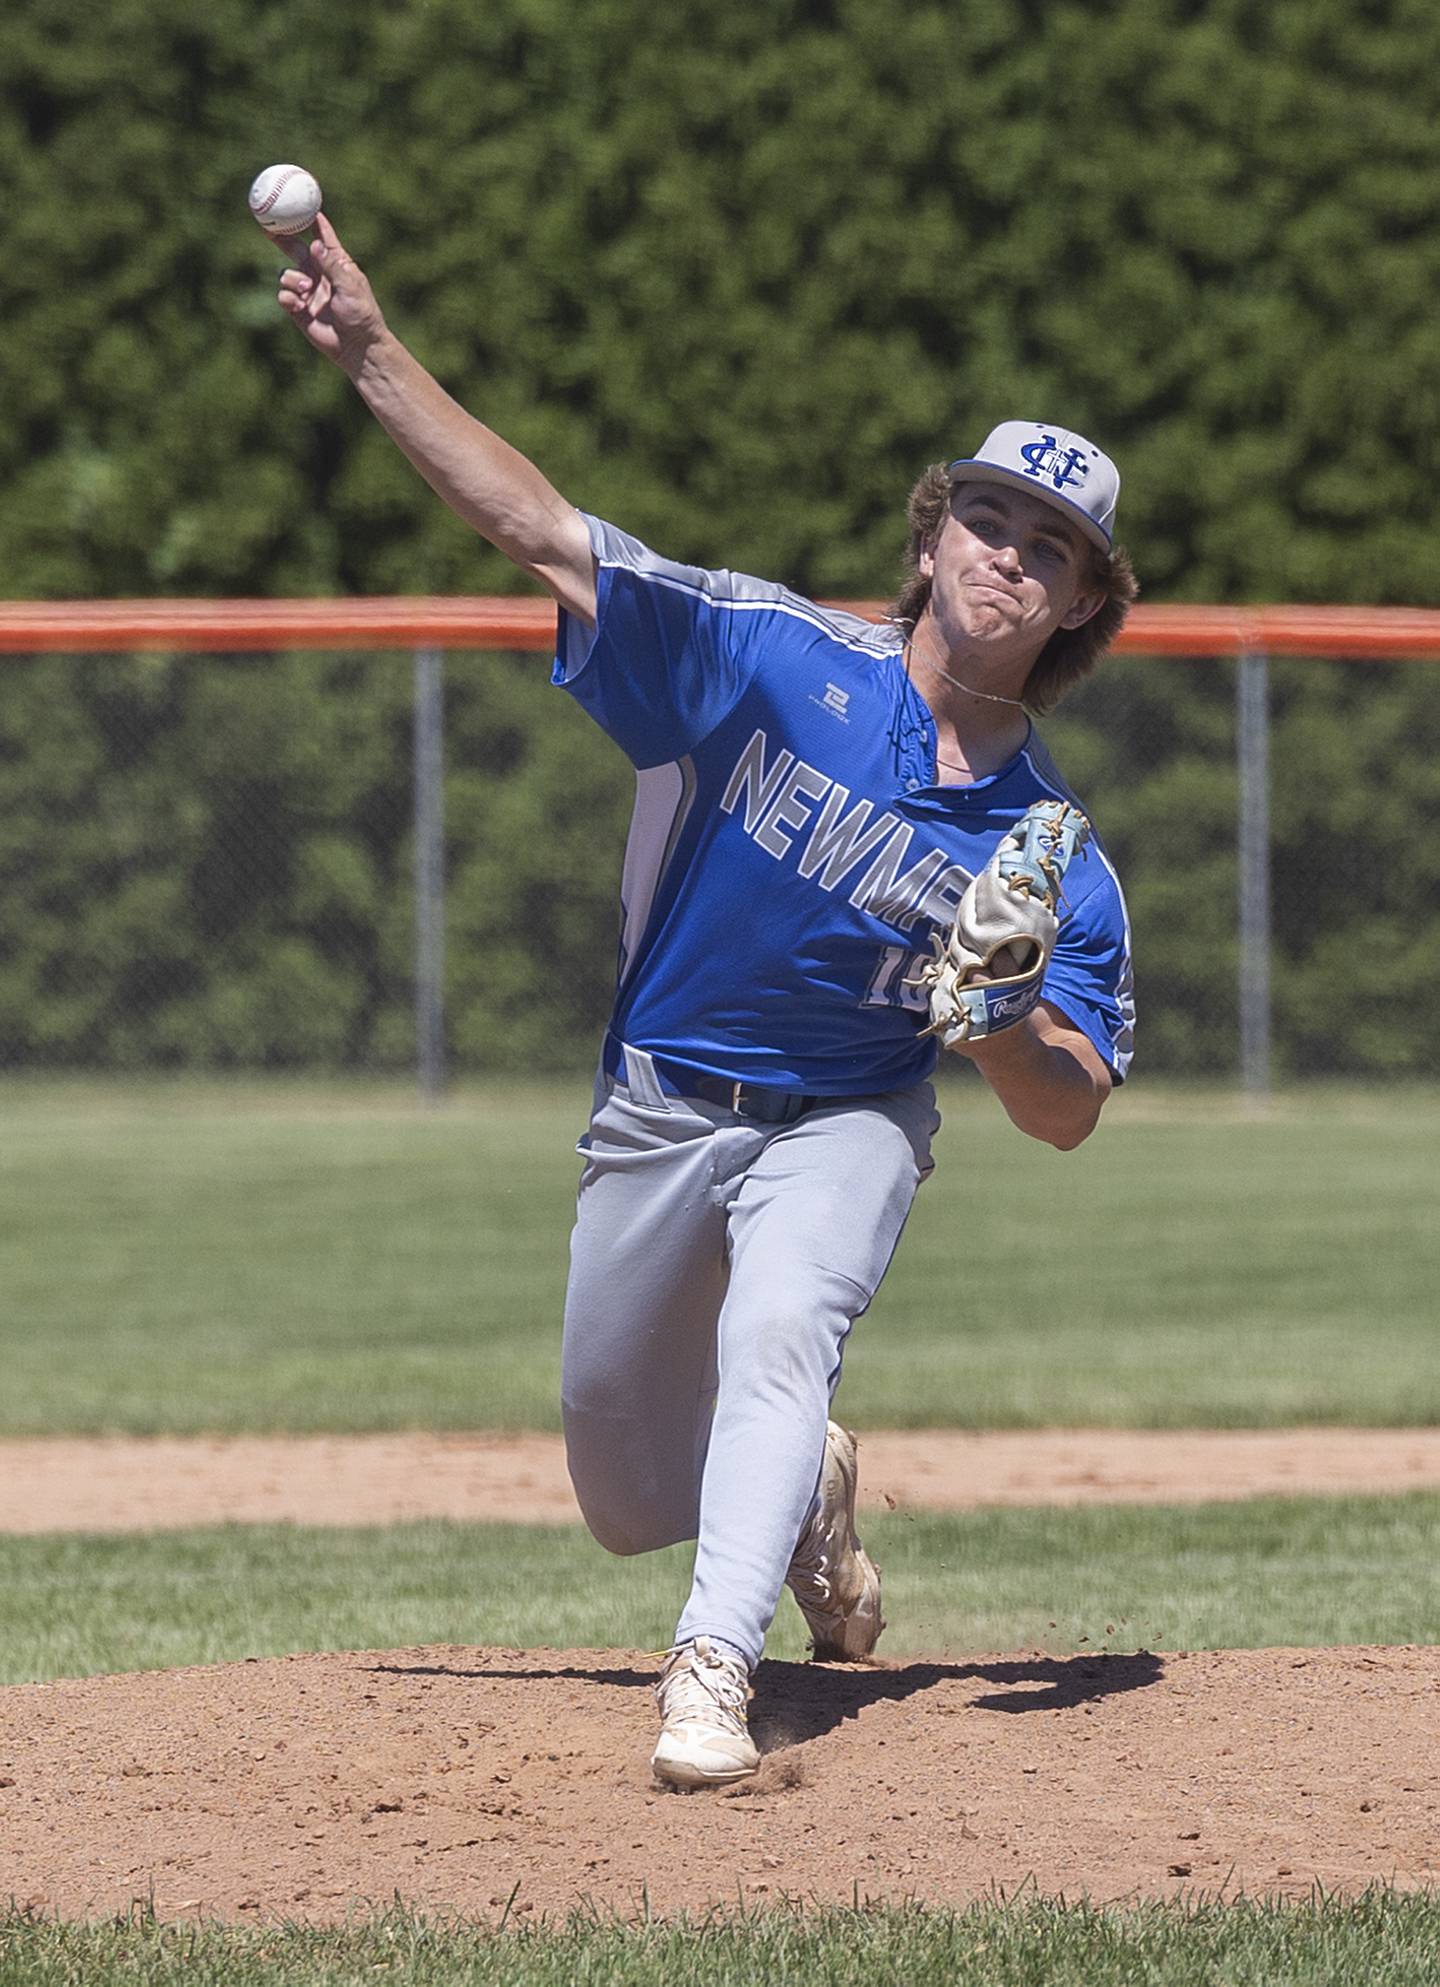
pixel 1046 458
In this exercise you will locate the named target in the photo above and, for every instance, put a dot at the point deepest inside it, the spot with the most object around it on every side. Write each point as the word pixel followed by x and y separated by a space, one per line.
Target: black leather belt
pixel 746 1100
pixel 760 1102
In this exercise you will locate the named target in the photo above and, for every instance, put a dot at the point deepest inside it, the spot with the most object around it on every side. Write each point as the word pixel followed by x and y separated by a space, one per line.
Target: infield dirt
pixel 120 1484
pixel 473 1781
pixel 498 1781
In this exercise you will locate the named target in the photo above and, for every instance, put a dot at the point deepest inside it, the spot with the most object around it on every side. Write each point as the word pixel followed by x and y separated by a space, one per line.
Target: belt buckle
pixel 735 1105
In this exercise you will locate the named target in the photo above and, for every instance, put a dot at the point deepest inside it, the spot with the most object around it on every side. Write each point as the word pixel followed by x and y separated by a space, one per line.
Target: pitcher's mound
pixel 473 1781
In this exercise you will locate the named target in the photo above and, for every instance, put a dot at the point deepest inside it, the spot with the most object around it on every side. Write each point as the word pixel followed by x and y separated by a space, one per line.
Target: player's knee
pixel 616 1539
pixel 612 1497
pixel 797 1335
pixel 626 1532
pixel 609 1518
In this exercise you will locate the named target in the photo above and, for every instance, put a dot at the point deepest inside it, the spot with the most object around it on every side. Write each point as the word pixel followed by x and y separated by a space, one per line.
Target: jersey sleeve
pixel 1090 977
pixel 667 658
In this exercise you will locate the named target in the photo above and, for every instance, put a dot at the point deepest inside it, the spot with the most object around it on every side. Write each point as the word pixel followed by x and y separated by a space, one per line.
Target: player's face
pixel 1007 570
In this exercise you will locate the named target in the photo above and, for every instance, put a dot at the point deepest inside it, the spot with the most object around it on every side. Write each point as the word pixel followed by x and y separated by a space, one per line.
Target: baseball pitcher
pixel 849 850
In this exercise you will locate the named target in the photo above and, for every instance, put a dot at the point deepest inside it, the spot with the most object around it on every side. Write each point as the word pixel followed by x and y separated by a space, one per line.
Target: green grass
pixel 1382 1939
pixel 1307 1572
pixel 186 1257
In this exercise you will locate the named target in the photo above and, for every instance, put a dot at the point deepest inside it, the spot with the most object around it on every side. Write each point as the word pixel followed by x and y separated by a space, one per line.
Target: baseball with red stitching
pixel 285 199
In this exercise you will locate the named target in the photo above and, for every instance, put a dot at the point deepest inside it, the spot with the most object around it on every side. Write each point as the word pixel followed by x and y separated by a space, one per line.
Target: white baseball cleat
pixel 834 1579
pixel 704 1739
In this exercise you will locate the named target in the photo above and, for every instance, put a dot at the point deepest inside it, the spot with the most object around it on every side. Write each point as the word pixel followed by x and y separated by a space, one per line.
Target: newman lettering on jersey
pixel 779 802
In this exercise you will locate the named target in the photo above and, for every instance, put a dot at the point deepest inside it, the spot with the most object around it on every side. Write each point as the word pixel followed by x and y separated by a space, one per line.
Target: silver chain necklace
pixel 969 689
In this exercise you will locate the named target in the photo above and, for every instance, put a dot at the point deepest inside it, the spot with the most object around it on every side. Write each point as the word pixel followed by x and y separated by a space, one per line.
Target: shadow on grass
pixel 798 1701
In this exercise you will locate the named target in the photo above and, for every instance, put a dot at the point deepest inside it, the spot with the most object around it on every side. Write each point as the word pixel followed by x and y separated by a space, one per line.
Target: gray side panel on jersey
pixel 1123 1048
pixel 738 592
pixel 664 796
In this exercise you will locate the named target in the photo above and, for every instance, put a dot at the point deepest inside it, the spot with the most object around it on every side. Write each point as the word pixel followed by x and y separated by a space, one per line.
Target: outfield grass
pixel 1306 1572
pixel 1379 1940
pixel 177 1257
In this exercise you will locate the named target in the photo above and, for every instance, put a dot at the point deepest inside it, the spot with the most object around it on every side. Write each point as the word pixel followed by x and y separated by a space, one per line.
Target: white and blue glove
pixel 988 971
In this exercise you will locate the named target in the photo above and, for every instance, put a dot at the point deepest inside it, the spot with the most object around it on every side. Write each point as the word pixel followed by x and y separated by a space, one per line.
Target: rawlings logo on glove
pixel 1011 908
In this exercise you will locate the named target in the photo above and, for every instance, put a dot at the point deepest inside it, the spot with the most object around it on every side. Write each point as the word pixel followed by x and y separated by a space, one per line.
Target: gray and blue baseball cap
pixel 1053 463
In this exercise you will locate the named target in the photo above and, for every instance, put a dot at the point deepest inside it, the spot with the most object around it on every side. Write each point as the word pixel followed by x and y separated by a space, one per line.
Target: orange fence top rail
pixel 29 627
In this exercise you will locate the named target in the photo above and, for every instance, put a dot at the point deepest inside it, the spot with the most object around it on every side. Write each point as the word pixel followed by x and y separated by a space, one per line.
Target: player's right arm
pixel 496 490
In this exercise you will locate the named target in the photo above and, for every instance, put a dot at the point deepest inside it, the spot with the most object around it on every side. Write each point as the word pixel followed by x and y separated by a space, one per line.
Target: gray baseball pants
pixel 716 1268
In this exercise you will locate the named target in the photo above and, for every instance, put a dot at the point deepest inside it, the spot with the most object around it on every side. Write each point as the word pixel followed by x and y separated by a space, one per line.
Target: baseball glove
pixel 1013 903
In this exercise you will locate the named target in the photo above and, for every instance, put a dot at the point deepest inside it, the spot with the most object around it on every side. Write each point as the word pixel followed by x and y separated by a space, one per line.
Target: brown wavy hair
pixel 1071 653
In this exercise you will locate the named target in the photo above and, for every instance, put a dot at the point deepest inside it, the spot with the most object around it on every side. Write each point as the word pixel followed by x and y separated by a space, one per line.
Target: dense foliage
pixel 733 276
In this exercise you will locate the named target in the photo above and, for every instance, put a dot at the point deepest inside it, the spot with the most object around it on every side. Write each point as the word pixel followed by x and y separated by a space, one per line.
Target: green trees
pixel 733 276
pixel 203 863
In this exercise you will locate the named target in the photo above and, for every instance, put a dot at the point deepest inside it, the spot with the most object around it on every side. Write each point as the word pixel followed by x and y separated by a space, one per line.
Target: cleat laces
pixel 700 1685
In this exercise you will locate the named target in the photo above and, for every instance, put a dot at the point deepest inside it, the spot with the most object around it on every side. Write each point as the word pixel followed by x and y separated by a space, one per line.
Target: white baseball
pixel 285 199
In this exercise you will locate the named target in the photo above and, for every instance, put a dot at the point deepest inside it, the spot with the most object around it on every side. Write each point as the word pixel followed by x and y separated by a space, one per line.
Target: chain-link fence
pixel 376 861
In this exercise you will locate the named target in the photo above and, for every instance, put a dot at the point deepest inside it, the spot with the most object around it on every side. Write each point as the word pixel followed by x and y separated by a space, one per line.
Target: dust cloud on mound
pixel 474 1781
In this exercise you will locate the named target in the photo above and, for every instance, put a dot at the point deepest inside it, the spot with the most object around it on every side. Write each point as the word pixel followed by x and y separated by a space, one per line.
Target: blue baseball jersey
pixel 790 852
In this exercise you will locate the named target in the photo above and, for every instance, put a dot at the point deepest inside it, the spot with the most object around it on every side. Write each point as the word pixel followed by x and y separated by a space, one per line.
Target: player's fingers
pixel 327 252
pixel 298 281
pixel 302 309
pixel 328 237
pixel 295 246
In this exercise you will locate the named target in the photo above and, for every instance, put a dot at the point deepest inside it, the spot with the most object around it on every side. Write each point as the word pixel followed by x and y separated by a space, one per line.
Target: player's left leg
pixel 813 1224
